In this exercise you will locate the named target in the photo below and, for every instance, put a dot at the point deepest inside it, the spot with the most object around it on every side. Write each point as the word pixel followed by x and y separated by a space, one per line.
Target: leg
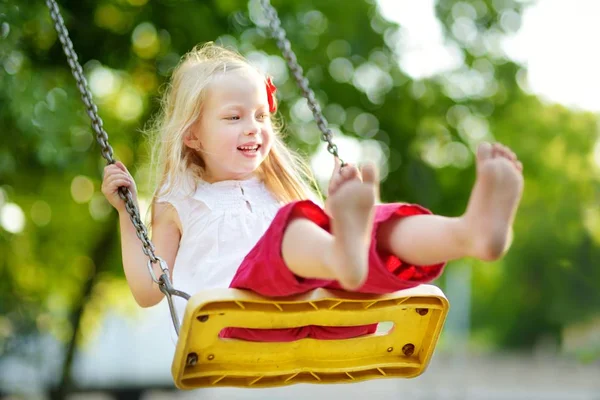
pixel 311 252
pixel 305 249
pixel 482 232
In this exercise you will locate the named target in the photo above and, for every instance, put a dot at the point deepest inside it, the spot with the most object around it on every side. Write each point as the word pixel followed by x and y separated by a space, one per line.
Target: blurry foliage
pixel 549 278
pixel 51 167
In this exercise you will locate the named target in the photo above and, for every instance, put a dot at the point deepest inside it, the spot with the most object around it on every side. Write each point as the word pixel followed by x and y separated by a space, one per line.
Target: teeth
pixel 248 147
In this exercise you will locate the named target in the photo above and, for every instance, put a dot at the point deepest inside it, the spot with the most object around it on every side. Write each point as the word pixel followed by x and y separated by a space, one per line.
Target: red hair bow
pixel 271 89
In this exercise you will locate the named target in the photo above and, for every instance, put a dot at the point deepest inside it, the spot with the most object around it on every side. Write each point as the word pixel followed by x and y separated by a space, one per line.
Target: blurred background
pixel 413 85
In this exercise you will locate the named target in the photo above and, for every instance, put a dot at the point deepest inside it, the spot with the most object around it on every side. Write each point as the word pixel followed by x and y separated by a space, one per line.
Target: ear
pixel 191 140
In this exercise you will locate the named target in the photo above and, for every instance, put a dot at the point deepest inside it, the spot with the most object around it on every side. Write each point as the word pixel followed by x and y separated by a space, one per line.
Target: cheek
pixel 268 135
pixel 223 143
pixel 268 142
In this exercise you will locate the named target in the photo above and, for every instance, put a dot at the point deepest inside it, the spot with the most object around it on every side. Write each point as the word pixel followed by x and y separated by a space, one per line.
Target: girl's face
pixel 234 134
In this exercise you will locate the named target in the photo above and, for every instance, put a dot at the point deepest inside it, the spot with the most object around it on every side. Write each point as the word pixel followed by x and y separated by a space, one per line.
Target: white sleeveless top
pixel 221 222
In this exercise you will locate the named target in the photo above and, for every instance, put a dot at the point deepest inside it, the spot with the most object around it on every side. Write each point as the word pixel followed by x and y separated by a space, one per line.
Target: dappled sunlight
pixel 41 213
pixel 341 69
pixel 145 81
pixel 352 151
pixel 113 18
pixel 99 208
pixel 12 218
pixel 129 105
pixel 29 277
pixel 440 155
pixel 335 114
pixel 373 81
pixel 82 189
pixel 103 81
pixel 13 62
pixel 338 48
pixel 366 125
pixel 145 40
pixel 591 221
pixel 556 153
pixel 81 138
pixel 596 156
pixel 467 83
pixel 276 67
pixel 474 129
pixel 300 111
pixel 438 149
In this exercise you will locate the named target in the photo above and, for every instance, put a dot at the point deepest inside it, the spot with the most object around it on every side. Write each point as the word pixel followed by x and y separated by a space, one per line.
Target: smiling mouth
pixel 249 149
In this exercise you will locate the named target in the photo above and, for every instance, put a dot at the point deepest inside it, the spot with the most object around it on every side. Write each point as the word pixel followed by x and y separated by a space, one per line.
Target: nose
pixel 252 129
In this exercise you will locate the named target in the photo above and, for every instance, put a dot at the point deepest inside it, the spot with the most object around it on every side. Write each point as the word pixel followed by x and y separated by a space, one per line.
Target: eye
pixel 263 116
pixel 233 118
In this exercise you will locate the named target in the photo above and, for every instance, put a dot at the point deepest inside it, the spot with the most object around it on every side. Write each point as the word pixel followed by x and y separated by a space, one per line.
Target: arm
pixel 166 235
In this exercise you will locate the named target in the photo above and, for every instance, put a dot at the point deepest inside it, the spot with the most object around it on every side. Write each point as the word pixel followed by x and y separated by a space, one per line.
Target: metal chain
pixel 107 152
pixel 97 125
pixel 290 57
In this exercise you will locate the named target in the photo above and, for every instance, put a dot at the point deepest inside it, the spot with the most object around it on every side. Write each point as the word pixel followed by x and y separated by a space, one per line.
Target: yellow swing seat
pixel 202 359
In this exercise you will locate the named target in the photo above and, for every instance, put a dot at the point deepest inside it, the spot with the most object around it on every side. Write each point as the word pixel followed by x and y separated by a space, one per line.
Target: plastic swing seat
pixel 202 359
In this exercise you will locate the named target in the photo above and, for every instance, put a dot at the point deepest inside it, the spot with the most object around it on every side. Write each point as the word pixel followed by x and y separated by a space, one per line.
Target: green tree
pixel 427 129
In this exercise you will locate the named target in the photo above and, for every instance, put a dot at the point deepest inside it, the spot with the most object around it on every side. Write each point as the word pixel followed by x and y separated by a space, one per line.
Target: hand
pixel 341 175
pixel 115 176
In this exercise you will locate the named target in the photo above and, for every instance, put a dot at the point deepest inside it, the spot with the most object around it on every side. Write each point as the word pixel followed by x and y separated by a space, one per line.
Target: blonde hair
pixel 283 171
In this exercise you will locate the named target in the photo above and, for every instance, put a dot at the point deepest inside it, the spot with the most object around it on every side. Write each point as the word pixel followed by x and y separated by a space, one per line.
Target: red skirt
pixel 264 272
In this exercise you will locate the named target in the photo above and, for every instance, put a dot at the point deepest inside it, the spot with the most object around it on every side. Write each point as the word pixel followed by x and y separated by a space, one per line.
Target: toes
pixel 507 153
pixel 369 173
pixel 519 165
pixel 485 151
pixel 497 150
pixel 511 154
pixel 500 150
pixel 349 172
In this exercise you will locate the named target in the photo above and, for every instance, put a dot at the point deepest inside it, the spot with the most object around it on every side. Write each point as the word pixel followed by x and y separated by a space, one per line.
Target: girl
pixel 231 207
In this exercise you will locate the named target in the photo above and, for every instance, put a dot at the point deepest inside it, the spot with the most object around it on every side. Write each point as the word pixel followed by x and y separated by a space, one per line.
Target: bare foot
pixel 494 201
pixel 352 217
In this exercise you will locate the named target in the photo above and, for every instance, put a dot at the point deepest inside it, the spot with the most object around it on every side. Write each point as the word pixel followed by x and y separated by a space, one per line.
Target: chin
pixel 243 175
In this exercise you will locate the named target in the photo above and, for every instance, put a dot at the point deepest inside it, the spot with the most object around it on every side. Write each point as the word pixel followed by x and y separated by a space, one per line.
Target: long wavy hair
pixel 283 171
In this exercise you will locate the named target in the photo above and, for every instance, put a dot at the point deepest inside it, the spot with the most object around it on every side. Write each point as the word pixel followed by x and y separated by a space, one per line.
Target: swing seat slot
pixel 202 359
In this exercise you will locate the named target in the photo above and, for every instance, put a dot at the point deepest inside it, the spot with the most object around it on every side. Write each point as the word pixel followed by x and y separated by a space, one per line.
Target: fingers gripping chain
pixel 285 47
pixel 107 153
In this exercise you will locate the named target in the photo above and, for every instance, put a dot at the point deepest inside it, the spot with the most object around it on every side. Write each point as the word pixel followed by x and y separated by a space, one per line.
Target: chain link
pixel 290 57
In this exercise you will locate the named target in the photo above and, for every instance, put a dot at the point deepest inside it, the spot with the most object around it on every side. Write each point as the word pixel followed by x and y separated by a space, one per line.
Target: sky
pixel 557 42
